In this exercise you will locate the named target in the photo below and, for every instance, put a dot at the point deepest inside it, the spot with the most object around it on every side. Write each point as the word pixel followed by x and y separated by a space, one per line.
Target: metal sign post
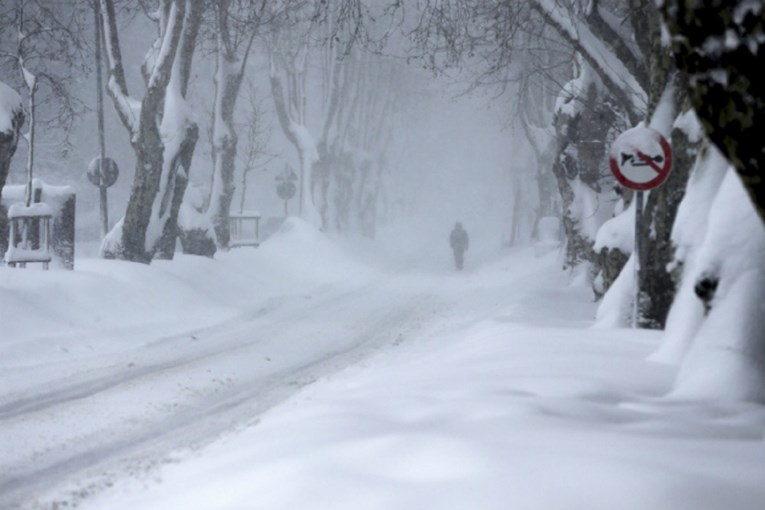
pixel 100 109
pixel 640 159
pixel 286 188
pixel 104 173
pixel 638 231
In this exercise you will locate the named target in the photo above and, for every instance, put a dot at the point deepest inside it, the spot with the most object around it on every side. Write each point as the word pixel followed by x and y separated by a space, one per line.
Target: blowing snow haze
pixel 275 304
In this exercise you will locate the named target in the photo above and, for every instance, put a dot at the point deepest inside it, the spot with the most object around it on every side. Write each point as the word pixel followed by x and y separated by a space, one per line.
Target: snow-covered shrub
pixel 727 358
pixel 686 313
pixel 721 246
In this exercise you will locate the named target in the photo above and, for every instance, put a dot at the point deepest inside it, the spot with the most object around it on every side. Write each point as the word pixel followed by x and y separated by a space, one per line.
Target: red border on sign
pixel 656 181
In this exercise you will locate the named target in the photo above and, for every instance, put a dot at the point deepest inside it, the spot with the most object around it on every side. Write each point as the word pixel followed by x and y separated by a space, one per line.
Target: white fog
pixel 376 254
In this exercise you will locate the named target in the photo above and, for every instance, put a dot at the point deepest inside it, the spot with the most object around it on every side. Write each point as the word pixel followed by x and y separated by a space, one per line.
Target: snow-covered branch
pixel 280 103
pixel 610 31
pixel 127 108
pixel 160 73
pixel 620 80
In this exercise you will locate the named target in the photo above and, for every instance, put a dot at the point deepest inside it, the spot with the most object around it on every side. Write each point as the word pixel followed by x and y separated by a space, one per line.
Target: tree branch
pixel 604 31
pixel 116 83
pixel 622 84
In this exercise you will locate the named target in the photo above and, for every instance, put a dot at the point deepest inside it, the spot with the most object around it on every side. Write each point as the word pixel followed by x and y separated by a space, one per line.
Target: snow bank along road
pixel 494 397
pixel 73 423
pixel 444 390
pixel 187 388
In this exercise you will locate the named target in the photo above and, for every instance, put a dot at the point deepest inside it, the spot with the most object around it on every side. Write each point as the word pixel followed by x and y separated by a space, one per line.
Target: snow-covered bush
pixel 732 337
pixel 716 326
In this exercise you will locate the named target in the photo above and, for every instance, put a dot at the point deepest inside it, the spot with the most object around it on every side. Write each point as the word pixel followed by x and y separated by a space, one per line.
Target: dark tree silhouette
pixel 720 47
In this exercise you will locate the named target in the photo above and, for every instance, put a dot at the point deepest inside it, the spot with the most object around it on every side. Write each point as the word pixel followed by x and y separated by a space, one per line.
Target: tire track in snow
pixel 201 419
pixel 43 399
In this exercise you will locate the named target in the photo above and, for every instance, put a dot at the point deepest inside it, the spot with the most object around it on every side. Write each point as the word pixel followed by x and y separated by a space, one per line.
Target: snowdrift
pixel 106 306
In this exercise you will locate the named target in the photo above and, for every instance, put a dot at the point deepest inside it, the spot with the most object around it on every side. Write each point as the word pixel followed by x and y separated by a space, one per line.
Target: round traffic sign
pixel 103 172
pixel 641 158
pixel 286 190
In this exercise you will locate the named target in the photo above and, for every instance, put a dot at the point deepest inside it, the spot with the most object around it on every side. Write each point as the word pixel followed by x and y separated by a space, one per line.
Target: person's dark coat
pixel 460 242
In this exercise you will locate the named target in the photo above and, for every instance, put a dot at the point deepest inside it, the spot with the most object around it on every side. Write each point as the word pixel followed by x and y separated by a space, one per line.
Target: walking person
pixel 459 241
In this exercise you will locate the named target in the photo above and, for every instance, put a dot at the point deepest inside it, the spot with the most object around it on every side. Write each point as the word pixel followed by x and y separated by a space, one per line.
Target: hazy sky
pixel 452 160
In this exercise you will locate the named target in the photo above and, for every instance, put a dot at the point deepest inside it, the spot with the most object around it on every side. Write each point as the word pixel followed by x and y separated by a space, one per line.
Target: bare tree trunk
pixel 657 286
pixel 149 227
pixel 9 140
pixel 656 282
pixel 291 115
pixel 581 153
pixel 222 193
pixel 179 171
pixel 360 97
pixel 229 73
pixel 148 149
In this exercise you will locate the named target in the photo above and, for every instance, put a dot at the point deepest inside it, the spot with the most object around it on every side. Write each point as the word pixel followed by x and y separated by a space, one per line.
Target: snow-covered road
pixel 293 376
pixel 119 399
pixel 186 388
pixel 129 410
